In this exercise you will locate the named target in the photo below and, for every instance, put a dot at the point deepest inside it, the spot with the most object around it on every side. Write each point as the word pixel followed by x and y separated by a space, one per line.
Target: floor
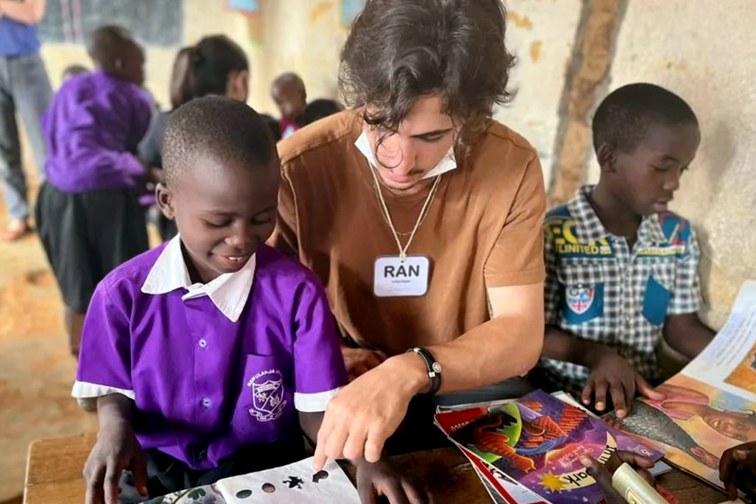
pixel 36 371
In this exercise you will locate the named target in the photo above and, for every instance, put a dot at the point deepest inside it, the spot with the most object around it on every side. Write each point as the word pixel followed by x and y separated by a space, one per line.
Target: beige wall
pixel 541 35
pixel 705 57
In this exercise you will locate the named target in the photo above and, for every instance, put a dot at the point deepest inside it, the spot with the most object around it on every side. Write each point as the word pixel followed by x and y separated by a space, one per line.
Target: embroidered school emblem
pixel 267 395
pixel 580 298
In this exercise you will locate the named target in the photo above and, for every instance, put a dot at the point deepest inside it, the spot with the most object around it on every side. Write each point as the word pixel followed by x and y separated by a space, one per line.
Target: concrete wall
pixel 542 37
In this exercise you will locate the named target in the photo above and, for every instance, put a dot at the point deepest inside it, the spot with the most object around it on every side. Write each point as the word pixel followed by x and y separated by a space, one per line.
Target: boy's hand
pixel 602 473
pixel 612 373
pixel 737 470
pixel 380 479
pixel 117 448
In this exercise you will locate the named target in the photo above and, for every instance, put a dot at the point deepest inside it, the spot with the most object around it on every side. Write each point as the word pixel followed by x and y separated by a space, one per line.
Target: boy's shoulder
pixel 559 214
pixel 676 229
pixel 277 268
pixel 131 275
pixel 556 219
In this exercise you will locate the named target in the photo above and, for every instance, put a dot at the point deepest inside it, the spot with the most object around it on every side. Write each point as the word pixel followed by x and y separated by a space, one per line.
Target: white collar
pixel 447 163
pixel 228 292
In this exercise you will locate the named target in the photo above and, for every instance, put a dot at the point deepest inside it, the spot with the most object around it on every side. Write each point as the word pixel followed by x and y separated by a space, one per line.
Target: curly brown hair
pixel 399 50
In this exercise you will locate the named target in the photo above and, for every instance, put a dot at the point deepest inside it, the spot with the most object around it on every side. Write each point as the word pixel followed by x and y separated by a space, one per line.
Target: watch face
pixel 436 367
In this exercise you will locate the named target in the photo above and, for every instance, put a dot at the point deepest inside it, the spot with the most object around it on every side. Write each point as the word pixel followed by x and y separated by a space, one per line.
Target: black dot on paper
pixel 268 488
pixel 243 494
pixel 320 475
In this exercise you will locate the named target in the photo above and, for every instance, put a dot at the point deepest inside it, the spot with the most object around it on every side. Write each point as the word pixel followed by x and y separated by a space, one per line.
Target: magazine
pixel 709 406
pixel 538 440
pixel 499 486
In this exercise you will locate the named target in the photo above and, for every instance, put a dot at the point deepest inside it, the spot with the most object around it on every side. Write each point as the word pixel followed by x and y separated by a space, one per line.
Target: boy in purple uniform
pixel 212 353
pixel 88 211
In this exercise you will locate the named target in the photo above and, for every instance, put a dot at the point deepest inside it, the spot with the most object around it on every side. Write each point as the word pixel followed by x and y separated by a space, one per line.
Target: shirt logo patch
pixel 267 395
pixel 580 298
pixel 567 244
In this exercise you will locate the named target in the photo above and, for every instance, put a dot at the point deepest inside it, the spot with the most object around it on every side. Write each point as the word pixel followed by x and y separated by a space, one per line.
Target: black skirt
pixel 86 235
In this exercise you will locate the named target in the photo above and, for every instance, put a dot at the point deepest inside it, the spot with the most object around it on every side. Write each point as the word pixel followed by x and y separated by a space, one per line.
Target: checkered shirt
pixel 598 289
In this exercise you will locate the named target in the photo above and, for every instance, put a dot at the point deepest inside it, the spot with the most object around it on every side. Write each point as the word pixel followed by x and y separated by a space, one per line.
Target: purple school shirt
pixel 92 130
pixel 204 386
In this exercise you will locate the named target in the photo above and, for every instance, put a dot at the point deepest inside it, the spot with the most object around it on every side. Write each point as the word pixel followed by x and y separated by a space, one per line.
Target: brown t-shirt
pixel 483 229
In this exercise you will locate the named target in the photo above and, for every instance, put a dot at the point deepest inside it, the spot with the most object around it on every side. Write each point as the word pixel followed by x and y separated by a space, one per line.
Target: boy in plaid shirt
pixel 622 270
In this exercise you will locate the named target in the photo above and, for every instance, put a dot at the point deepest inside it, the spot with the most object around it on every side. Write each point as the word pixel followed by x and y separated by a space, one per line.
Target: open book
pixel 709 406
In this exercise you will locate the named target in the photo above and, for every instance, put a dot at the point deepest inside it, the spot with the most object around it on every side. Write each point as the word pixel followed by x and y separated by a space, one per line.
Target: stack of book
pixel 528 450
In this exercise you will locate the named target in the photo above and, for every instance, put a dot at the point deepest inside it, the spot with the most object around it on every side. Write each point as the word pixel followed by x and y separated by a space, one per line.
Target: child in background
pixel 215 65
pixel 211 352
pixel 622 270
pixel 288 91
pixel 318 109
pixel 72 71
pixel 88 212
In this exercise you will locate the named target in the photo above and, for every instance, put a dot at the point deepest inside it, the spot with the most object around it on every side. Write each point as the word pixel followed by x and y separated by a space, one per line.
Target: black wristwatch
pixel 433 367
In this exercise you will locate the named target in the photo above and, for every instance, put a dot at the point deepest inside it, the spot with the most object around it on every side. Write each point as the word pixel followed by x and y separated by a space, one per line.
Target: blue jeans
pixel 24 88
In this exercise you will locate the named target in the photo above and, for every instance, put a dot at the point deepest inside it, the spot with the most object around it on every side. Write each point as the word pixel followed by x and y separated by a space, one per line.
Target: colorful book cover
pixel 538 440
pixel 499 486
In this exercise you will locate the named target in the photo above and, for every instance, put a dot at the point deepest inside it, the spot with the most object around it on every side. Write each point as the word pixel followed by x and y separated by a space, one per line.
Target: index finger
pixel 95 494
pixel 112 478
pixel 324 432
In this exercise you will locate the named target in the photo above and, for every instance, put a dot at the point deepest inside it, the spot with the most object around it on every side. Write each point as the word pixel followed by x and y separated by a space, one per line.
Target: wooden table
pixel 53 475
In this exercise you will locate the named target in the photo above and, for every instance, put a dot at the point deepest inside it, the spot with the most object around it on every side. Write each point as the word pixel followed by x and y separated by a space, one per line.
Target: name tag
pixel 393 277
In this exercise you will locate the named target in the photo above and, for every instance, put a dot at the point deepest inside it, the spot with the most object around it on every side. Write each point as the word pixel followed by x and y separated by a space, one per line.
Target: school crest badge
pixel 580 298
pixel 268 400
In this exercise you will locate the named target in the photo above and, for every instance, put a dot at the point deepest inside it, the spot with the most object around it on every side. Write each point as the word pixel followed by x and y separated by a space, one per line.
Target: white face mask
pixel 447 163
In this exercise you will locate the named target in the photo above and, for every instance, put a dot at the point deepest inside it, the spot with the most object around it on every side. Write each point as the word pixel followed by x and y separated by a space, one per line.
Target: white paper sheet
pixel 291 484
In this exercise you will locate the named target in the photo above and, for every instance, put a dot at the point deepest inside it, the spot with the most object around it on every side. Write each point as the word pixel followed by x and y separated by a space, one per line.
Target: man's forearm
pixel 502 348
